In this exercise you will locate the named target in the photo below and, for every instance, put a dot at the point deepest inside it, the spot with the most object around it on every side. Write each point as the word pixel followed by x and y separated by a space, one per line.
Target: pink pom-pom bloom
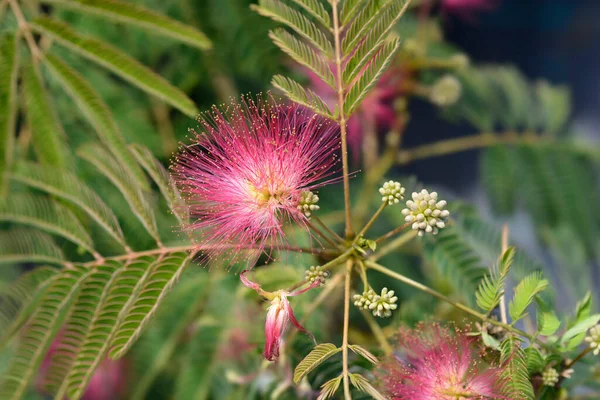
pixel 434 363
pixel 244 175
pixel 279 315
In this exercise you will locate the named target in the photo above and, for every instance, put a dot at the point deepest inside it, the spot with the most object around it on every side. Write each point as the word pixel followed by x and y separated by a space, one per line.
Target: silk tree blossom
pixel 244 175
pixel 279 315
pixel 433 363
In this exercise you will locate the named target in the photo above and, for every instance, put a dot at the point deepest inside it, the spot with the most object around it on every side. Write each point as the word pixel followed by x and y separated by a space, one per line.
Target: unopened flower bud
pixel 382 305
pixel 426 213
pixel 308 203
pixel 550 377
pixel 364 300
pixel 316 273
pixel 461 61
pixel 593 339
pixel 446 91
pixel 392 192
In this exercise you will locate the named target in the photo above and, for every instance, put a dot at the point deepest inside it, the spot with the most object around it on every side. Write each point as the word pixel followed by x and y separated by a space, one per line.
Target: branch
pixel 486 139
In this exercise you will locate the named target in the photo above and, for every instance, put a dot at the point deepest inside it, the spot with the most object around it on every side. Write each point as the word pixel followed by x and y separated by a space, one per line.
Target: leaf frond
pixel 96 112
pixel 305 97
pixel 116 61
pixel 28 245
pixel 137 15
pixel 525 293
pixel 9 72
pixel 313 359
pixel 67 186
pixel 107 165
pixel 282 13
pixel 45 214
pixel 302 54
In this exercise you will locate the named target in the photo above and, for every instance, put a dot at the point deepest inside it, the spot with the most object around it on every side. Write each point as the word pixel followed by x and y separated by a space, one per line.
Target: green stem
pixel 448 300
pixel 392 233
pixel 377 332
pixel 321 234
pixel 373 219
pixel 325 267
pixel 579 357
pixel 393 245
pixel 345 373
pixel 337 32
pixel 328 229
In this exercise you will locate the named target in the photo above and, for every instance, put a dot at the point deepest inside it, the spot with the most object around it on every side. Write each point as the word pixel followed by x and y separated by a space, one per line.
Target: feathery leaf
pixel 329 388
pixel 48 137
pixel 90 298
pixel 67 186
pixel 362 384
pixel 42 328
pixel 119 296
pixel 96 112
pixel 45 214
pixel 163 180
pixel 373 41
pixel 28 245
pixel 163 275
pixel 370 76
pixel 349 9
pixel 305 97
pixel 515 369
pixel 140 16
pixel 364 353
pixel 525 293
pixel 107 165
pixel 284 14
pixel 491 288
pixel 9 71
pixel 313 359
pixel 302 54
pixel 116 61
pixel 316 9
pixel 20 300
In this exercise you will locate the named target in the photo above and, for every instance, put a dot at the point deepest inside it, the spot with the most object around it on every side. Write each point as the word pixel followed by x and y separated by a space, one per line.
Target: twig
pixel 393 245
pixel 372 220
pixel 448 300
pixel 321 234
pixel 24 27
pixel 328 229
pixel 377 332
pixel 392 233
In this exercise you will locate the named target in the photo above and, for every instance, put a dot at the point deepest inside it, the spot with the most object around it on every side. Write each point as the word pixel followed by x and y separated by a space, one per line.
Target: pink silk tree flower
pixel 279 315
pixel 434 363
pixel 244 175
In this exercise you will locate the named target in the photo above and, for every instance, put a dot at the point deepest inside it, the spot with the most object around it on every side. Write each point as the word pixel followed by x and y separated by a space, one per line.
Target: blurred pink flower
pixel 437 364
pixel 465 8
pixel 376 112
pixel 279 315
pixel 108 382
pixel 244 175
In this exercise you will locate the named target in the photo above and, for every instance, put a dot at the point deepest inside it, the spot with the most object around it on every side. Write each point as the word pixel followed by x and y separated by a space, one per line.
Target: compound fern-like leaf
pixel 135 14
pixel 9 71
pixel 313 359
pixel 28 245
pixel 525 293
pixel 116 61
pixel 305 97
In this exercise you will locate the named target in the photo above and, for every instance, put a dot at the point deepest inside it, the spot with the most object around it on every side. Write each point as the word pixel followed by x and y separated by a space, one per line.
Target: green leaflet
pixel 163 180
pixel 28 245
pixel 90 298
pixel 135 14
pixel 115 61
pixel 20 300
pixel 280 12
pixel 67 186
pixel 97 113
pixel 313 359
pixel 48 137
pixel 46 214
pixel 163 275
pixel 9 70
pixel 42 328
pixel 305 97
pixel 109 167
